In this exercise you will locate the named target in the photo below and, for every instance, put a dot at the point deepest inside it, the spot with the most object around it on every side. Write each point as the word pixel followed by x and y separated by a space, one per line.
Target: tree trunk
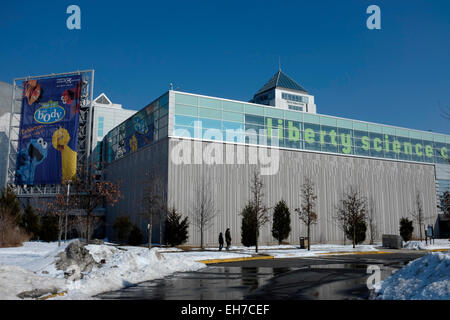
pixel 256 244
pixel 160 230
pixel 88 233
pixel 354 235
pixel 59 230
pixel 201 237
pixel 308 238
pixel 149 227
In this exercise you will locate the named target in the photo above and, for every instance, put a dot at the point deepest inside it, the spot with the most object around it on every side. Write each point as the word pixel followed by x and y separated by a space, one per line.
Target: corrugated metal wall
pixel 131 172
pixel 391 184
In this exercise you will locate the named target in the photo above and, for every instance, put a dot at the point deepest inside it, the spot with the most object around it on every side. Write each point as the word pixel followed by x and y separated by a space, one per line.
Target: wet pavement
pixel 211 283
pixel 327 278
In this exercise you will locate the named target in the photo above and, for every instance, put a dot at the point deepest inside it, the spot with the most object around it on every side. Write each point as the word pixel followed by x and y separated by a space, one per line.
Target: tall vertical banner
pixel 48 134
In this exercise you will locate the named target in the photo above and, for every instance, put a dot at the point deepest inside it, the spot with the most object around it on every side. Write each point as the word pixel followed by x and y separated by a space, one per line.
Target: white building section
pixel 106 115
pixel 284 93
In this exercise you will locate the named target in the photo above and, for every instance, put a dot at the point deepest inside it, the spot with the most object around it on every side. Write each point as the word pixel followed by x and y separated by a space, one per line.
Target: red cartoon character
pixel 69 96
pixel 32 91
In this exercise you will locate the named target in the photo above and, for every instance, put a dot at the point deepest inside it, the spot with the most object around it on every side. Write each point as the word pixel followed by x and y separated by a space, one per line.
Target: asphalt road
pixel 315 278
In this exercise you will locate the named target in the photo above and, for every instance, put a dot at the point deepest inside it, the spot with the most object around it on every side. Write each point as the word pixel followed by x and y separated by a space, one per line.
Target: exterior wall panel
pixel 130 172
pixel 391 184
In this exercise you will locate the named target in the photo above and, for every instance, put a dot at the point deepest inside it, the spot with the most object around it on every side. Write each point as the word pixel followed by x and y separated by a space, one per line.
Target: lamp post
pixel 67 209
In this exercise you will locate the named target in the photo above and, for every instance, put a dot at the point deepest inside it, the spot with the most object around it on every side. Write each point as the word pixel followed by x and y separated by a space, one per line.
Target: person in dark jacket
pixel 220 241
pixel 228 238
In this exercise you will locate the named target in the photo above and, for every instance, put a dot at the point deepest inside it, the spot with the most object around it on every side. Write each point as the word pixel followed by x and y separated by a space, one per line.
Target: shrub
pixel 30 222
pixel 361 228
pixel 135 238
pixel 281 226
pixel 176 229
pixel 122 227
pixel 248 226
pixel 9 202
pixel 406 229
pixel 48 228
pixel 11 235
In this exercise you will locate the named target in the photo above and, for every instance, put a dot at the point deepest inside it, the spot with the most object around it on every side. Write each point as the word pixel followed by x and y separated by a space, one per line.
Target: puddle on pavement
pixel 211 283
pixel 354 288
pixel 236 283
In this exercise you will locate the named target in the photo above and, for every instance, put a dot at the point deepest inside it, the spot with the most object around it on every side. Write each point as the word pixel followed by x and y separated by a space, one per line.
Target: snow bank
pixel 430 245
pixel 427 278
pixel 15 280
pixel 125 266
pixel 414 245
pixel 32 267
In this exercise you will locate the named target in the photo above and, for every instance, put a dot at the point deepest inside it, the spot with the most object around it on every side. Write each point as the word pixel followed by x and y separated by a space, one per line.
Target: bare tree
pixel 79 223
pixel 89 193
pixel 59 207
pixel 260 211
pixel 371 220
pixel 306 212
pixel 154 203
pixel 444 205
pixel 418 215
pixel 351 214
pixel 203 211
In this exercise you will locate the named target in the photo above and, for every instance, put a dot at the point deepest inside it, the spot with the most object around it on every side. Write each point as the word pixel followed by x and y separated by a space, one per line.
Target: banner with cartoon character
pixel 48 134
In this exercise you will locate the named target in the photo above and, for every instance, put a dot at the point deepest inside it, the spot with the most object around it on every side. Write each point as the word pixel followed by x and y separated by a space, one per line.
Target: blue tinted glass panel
pixel 185 120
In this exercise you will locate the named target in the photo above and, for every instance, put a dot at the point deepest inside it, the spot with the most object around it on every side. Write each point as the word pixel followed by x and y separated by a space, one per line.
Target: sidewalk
pixel 238 253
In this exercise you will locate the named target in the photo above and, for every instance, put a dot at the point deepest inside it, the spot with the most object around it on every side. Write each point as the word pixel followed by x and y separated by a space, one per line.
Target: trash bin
pixel 304 242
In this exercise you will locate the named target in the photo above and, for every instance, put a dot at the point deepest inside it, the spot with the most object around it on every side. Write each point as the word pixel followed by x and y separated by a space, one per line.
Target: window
pixel 294 97
pixel 297 108
pixel 100 126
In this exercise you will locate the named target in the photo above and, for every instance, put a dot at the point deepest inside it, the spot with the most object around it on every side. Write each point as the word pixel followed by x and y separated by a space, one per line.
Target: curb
pixel 353 252
pixel 211 261
pixel 437 250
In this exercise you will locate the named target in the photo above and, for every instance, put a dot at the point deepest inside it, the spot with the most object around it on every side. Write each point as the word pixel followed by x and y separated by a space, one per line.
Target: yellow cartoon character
pixel 133 144
pixel 60 142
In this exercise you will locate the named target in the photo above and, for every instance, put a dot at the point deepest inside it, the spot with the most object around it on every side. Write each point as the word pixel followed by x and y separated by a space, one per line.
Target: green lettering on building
pixel 429 151
pixel 333 137
pixel 418 151
pixel 365 143
pixel 407 148
pixel 444 153
pixel 346 141
pixel 293 132
pixel 396 146
pixel 280 129
pixel 309 135
pixel 378 144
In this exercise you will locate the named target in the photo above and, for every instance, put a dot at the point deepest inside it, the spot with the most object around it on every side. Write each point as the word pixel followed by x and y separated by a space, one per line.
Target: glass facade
pixel 234 121
pixel 146 126
pixel 224 120
pixel 101 122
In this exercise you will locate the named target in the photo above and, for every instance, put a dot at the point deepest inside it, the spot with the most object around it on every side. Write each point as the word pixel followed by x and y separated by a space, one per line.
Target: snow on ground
pixel 422 245
pixel 427 278
pixel 32 266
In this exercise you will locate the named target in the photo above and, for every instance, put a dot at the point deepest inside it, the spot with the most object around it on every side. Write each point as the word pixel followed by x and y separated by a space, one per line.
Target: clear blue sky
pixel 399 75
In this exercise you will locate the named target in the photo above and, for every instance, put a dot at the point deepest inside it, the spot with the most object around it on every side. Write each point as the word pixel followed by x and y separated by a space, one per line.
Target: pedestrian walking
pixel 220 241
pixel 228 238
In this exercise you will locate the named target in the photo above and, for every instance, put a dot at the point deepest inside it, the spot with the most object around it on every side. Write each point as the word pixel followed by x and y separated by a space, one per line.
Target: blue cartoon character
pixel 28 158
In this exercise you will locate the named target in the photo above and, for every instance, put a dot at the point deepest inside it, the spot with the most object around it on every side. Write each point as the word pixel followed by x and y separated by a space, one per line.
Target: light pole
pixel 67 208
